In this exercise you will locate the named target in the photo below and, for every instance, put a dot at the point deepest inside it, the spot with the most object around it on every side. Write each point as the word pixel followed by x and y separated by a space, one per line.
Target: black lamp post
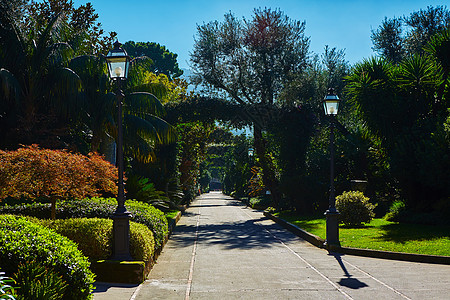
pixel 331 106
pixel 118 64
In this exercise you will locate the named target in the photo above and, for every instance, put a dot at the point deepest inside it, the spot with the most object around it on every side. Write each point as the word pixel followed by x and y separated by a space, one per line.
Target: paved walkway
pixel 222 250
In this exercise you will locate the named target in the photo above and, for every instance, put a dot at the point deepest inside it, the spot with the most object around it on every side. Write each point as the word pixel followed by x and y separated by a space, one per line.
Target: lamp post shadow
pixel 348 281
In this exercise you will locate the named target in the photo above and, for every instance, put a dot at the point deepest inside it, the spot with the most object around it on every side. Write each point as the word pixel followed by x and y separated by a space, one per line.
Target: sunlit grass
pixel 382 235
pixel 171 214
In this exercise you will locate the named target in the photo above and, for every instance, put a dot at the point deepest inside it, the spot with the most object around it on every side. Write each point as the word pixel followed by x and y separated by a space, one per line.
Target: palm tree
pixel 37 91
pixel 97 112
pixel 143 126
pixel 403 106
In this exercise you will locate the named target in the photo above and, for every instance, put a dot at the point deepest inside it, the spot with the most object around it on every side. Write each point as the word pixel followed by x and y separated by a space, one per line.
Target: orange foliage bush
pixel 54 174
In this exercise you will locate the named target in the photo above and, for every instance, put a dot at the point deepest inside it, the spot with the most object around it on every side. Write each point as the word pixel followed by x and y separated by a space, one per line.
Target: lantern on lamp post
pixel 331 107
pixel 118 64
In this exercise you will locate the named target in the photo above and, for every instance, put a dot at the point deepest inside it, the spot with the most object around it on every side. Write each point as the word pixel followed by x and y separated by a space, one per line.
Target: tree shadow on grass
pixel 401 233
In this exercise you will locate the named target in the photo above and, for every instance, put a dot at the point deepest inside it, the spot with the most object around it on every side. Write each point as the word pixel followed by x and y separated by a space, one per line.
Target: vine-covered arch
pixel 208 109
pixel 290 127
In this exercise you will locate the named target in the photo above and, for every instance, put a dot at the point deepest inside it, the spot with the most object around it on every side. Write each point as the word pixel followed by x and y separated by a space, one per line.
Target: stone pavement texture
pixel 222 250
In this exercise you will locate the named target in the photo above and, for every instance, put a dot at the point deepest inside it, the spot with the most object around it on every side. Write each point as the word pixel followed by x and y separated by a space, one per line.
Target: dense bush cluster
pixel 94 237
pixel 354 208
pixel 23 243
pixel 142 213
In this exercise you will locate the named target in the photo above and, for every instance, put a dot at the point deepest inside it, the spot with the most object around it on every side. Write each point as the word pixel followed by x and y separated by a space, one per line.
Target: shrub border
pixel 113 271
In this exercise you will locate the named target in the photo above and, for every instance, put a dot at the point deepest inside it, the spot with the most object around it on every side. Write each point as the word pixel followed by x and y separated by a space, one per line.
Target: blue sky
pixel 345 24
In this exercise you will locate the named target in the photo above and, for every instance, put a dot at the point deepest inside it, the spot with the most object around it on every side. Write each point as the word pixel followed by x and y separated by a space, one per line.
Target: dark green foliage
pixel 290 138
pixel 404 107
pixel 354 208
pixel 261 202
pixel 163 172
pixel 397 208
pixel 399 37
pixel 98 208
pixel 22 241
pixel 237 166
pixel 37 282
pixel 399 212
pixel 141 189
pixel 94 237
pixel 163 60
pixel 387 40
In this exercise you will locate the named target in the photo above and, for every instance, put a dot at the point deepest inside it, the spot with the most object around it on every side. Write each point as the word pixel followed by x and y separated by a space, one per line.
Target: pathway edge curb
pixel 318 242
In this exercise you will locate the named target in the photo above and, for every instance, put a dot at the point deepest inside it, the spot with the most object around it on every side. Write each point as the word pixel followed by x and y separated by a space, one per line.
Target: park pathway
pixel 222 250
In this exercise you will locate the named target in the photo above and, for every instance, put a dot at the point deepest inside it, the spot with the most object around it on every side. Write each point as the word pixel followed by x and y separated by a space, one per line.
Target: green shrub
pixel 94 237
pixel 142 243
pixel 38 282
pixel 95 207
pixel 141 189
pixel 354 208
pixel 22 241
pixel 261 202
pixel 7 291
pixel 396 209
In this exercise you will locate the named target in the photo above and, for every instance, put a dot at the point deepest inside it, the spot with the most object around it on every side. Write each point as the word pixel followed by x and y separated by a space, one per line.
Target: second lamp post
pixel 331 106
pixel 118 64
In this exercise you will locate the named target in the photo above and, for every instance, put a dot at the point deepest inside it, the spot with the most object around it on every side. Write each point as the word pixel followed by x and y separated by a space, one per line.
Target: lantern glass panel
pixel 331 107
pixel 118 63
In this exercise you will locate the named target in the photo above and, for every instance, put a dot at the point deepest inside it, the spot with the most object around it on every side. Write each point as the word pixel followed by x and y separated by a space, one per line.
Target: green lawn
pixel 171 214
pixel 382 235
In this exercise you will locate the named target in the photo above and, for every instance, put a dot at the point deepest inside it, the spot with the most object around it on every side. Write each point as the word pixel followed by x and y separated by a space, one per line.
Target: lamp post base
pixel 121 238
pixel 332 229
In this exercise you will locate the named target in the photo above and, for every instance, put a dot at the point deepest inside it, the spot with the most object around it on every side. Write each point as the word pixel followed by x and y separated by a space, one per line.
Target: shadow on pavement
pixel 349 282
pixel 231 235
pixel 101 287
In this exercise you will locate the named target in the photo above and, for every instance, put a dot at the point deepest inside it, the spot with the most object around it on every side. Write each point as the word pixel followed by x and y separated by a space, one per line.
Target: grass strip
pixel 171 214
pixel 380 234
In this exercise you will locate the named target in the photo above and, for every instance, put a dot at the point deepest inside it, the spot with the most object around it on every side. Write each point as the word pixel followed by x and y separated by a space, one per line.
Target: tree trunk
pixel 269 179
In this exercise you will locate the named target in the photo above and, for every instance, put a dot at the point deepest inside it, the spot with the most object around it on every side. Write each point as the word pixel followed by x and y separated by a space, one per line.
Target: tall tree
pixel 84 33
pixel 34 80
pixel 403 106
pixel 324 71
pixel 164 61
pixel 39 93
pixel 388 41
pixel 250 61
pixel 408 35
pixel 144 129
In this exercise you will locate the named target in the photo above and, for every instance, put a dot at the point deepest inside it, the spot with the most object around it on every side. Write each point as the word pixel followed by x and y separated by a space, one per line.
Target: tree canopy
pixel 164 61
pixel 407 35
pixel 250 60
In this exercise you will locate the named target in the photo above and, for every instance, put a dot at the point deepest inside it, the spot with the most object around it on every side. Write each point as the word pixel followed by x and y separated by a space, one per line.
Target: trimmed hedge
pixel 97 207
pixel 94 237
pixel 22 242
